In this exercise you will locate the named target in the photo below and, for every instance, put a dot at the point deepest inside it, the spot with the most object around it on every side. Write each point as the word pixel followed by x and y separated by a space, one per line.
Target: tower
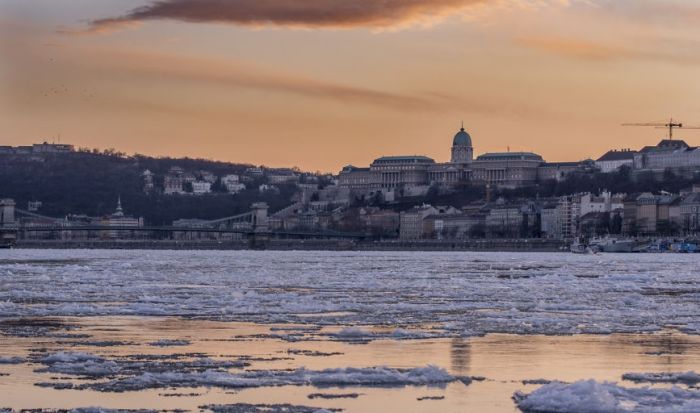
pixel 119 212
pixel 7 212
pixel 259 217
pixel 462 151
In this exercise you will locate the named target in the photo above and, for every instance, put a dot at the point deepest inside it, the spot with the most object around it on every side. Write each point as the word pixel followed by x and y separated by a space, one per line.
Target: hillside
pixel 90 183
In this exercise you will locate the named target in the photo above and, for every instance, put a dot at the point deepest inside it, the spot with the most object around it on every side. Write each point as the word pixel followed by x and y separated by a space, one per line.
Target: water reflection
pixel 460 355
pixel 504 360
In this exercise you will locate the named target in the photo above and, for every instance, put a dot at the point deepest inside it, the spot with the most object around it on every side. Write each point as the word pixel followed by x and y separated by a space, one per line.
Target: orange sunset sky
pixel 324 83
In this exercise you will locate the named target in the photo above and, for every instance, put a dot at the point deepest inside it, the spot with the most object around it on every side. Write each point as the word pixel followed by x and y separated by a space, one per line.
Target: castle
pixel 414 175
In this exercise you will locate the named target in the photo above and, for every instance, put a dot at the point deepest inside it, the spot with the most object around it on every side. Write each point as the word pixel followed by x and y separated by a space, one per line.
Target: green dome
pixel 462 138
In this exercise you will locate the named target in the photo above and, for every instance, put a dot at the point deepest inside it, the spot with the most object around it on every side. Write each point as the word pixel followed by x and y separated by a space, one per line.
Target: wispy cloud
pixel 591 50
pixel 378 14
pixel 244 76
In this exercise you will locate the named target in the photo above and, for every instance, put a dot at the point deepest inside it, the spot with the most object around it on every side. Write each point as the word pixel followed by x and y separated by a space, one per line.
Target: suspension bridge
pixel 253 226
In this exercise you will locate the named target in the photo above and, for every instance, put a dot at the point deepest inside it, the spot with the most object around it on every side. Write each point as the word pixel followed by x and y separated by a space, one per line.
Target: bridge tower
pixel 259 218
pixel 7 213
pixel 8 227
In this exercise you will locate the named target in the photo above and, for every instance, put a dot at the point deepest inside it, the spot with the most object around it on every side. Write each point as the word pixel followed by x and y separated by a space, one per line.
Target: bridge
pixel 252 225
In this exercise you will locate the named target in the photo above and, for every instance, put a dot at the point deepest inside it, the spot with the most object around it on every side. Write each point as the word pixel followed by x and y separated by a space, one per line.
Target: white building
pixel 568 213
pixel 148 184
pixel 235 188
pixel 615 159
pixel 232 183
pixel 605 202
pixel 668 154
pixel 281 176
pixel 174 180
pixel 201 187
pixel 120 220
pixel 411 221
pixel 548 221
pixel 207 176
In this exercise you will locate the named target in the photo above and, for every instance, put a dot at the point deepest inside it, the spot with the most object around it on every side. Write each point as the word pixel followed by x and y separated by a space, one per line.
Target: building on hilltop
pixel 232 183
pixel 173 182
pixel 148 182
pixel 614 159
pixel 668 154
pixel 201 187
pixel 415 174
pixel 37 148
pixel 507 169
pixel 46 147
pixel 282 176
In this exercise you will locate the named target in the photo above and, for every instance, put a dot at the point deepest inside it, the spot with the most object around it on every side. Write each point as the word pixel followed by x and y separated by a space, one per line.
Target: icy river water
pixel 307 332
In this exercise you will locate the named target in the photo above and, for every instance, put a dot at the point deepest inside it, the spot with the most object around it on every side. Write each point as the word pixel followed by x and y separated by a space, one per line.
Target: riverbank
pixel 525 245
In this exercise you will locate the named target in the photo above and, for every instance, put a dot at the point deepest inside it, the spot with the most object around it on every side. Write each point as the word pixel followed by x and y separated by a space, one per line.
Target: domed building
pixel 462 150
pixel 414 175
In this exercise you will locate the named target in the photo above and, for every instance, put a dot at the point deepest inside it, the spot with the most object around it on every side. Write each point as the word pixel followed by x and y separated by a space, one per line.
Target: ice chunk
pixel 264 408
pixel 70 357
pixel 169 343
pixel 372 376
pixel 11 360
pixel 690 378
pixel 595 397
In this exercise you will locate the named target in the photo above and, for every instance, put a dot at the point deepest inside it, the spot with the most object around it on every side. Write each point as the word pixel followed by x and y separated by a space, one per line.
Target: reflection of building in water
pixel 460 355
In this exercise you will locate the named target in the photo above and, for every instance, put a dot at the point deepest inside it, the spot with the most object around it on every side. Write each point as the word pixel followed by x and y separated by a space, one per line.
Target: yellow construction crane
pixel 669 125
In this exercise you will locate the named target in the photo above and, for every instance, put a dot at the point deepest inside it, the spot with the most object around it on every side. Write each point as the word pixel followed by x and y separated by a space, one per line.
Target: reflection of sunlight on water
pixel 504 360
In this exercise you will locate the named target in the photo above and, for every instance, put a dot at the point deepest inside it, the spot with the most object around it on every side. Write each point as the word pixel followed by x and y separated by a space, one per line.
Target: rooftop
pixel 618 155
pixel 510 156
pixel 403 159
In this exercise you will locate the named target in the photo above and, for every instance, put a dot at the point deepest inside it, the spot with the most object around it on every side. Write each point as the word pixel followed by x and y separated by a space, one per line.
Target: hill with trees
pixel 87 182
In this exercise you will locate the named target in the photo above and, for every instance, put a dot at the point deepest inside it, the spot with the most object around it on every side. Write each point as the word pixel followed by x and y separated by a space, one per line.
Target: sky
pixel 321 84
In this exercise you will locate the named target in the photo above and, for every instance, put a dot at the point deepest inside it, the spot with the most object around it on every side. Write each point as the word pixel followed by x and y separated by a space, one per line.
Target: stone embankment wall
pixel 289 245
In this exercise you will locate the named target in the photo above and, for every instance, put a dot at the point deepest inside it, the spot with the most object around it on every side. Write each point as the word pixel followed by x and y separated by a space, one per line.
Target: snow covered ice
pixel 457 294
pixel 589 396
pixel 257 331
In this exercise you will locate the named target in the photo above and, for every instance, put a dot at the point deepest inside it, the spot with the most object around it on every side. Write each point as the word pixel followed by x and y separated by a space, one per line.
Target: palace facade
pixel 414 175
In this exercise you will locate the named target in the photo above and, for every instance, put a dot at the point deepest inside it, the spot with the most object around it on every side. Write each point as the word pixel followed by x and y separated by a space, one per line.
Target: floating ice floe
pixel 82 410
pixel 265 408
pixel 169 343
pixel 342 377
pixel 689 378
pixel 595 397
pixel 361 335
pixel 90 365
pixel 12 360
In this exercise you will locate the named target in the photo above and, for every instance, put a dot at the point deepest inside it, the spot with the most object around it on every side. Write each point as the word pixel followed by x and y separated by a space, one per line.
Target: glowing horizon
pixel 320 84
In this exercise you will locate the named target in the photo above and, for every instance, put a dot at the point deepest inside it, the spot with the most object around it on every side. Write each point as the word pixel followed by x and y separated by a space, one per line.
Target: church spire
pixel 119 211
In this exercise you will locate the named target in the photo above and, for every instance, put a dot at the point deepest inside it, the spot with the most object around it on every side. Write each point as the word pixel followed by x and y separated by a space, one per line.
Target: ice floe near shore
pixel 595 397
pixel 456 294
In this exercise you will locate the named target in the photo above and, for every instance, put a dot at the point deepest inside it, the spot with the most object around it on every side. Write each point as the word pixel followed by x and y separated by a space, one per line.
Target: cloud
pixel 674 52
pixel 244 76
pixel 377 14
